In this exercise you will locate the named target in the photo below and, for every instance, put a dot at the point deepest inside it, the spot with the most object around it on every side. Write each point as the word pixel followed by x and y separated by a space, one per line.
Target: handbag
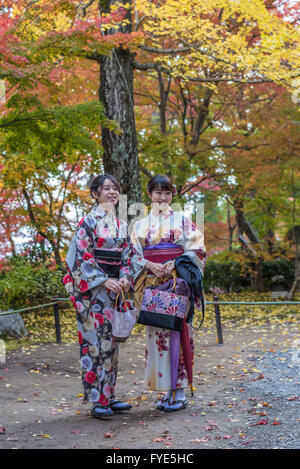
pixel 123 319
pixel 163 307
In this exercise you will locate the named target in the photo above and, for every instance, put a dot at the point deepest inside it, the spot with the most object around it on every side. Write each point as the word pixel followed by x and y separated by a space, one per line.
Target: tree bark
pixel 230 227
pixel 244 226
pixel 296 282
pixel 163 99
pixel 54 242
pixel 116 94
pixel 199 123
pixel 256 277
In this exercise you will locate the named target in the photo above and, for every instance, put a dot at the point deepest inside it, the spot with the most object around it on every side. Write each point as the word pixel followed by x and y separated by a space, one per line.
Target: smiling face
pixel 108 195
pixel 160 198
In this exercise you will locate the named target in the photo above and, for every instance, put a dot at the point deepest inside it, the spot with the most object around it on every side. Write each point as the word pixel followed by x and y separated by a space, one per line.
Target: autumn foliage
pixel 213 86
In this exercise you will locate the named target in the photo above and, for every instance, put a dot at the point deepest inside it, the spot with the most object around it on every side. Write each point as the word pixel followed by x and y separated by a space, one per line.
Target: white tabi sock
pixel 180 394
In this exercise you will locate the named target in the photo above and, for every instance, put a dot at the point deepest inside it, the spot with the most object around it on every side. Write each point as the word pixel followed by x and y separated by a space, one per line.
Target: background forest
pixel 204 91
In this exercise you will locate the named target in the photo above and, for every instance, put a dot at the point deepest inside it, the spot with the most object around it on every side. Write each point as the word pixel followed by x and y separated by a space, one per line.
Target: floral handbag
pixel 165 306
pixel 123 319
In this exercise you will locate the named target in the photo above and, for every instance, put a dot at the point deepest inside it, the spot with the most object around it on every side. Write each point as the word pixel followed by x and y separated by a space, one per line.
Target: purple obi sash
pixel 162 252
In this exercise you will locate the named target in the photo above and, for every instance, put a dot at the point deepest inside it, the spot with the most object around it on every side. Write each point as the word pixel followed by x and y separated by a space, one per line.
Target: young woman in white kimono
pixel 98 265
pixel 156 241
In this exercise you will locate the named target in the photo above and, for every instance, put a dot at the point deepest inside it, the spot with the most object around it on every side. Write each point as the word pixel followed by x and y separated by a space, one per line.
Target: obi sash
pixel 162 252
pixel 109 261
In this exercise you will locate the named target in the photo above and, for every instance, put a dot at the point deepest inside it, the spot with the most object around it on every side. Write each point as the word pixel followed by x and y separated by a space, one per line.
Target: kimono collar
pixel 166 212
pixel 98 211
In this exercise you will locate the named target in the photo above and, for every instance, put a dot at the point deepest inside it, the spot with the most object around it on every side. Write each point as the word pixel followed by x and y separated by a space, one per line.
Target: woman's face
pixel 161 198
pixel 108 195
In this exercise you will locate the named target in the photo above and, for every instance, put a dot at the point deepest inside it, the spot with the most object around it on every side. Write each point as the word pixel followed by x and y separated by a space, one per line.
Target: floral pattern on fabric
pixel 157 360
pixel 171 228
pixel 164 302
pixel 93 303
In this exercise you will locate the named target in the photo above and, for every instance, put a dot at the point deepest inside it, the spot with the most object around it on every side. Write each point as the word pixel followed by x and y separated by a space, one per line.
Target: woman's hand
pixel 198 303
pixel 113 285
pixel 169 267
pixel 157 269
pixel 124 282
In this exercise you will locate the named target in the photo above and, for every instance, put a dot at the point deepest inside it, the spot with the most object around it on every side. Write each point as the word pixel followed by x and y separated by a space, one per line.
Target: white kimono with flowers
pixel 173 228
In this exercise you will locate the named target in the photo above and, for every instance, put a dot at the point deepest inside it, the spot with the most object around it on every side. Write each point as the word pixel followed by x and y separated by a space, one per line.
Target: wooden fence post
pixel 57 323
pixel 218 320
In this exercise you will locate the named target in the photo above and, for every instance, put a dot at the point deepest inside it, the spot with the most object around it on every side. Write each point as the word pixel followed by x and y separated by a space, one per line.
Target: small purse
pixel 164 308
pixel 123 319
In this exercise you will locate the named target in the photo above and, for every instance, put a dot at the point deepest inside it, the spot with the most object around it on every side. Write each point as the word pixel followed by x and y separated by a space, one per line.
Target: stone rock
pixel 279 294
pixel 12 325
pixel 278 283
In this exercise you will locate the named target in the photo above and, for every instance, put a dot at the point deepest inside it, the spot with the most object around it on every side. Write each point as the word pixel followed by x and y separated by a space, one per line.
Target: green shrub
pixel 225 272
pixel 278 271
pixel 225 275
pixel 29 284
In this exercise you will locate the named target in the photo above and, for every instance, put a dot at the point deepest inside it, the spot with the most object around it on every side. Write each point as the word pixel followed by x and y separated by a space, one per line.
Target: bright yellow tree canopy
pixel 222 39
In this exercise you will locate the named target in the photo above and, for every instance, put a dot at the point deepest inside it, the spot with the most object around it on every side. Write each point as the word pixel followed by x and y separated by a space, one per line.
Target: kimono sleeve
pixel 126 268
pixel 194 243
pixel 138 261
pixel 80 258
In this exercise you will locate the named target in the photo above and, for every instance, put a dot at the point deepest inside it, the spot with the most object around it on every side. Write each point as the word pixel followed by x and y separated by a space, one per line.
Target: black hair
pixel 98 182
pixel 160 182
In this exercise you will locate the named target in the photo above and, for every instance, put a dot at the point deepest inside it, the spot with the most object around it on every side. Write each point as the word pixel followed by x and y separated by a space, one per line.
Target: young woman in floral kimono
pixel 156 241
pixel 99 268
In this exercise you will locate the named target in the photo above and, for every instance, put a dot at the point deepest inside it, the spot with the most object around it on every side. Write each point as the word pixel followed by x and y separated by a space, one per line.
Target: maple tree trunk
pixel 12 243
pixel 55 243
pixel 296 282
pixel 116 94
pixel 120 150
pixel 295 286
pixel 203 112
pixel 163 99
pixel 256 277
pixel 230 227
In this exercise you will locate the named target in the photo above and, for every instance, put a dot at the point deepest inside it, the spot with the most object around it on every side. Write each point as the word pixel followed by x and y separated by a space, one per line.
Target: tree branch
pixel 214 80
pixel 156 50
pixel 32 217
pixel 145 171
pixel 82 7
pixel 202 114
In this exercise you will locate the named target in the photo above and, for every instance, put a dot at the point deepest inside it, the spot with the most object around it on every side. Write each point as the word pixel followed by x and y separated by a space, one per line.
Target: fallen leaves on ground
pixel 261 422
pixel 201 440
pixel 164 438
pixel 41 328
pixel 42 435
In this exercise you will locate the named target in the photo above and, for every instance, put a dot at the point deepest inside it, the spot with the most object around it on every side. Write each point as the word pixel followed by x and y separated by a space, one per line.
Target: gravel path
pixel 246 397
pixel 280 386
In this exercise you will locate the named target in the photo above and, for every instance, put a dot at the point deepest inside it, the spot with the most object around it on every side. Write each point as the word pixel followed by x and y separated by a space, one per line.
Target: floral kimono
pixel 99 250
pixel 160 238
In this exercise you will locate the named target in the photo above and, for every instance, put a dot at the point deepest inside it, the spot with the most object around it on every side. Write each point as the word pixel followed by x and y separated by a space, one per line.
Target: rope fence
pixel 216 303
